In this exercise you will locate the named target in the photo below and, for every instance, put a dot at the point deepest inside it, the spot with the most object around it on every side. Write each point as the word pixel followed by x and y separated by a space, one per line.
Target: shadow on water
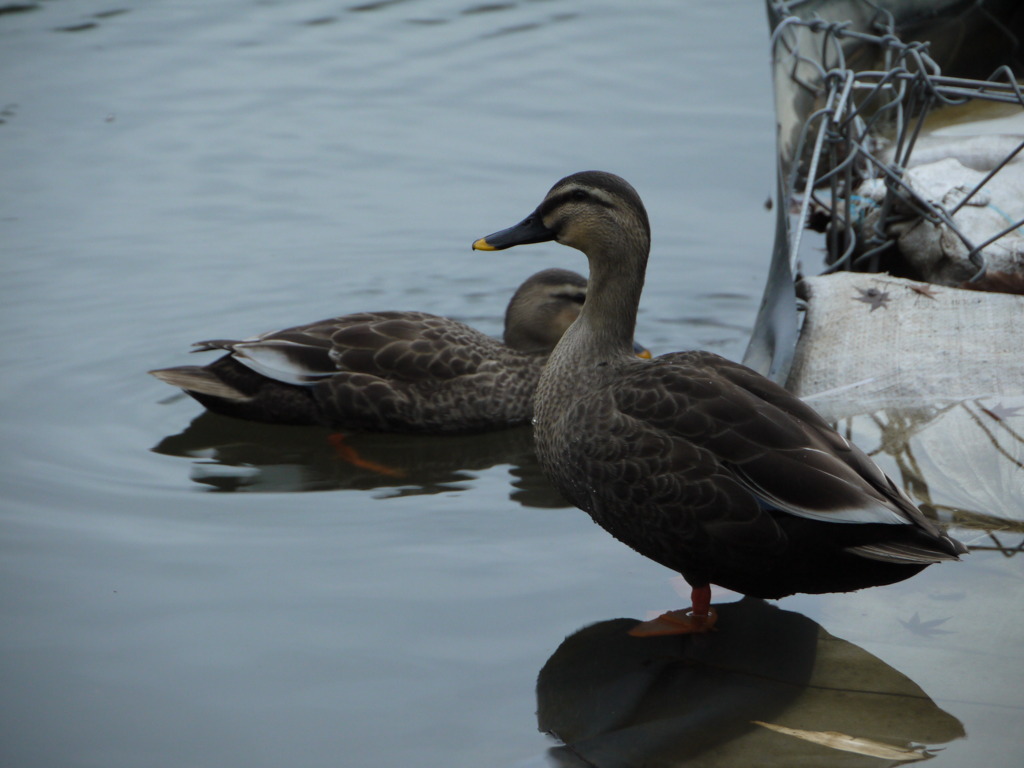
pixel 236 455
pixel 615 700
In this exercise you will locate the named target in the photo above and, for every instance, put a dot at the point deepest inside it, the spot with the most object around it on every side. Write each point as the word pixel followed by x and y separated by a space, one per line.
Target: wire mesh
pixel 871 93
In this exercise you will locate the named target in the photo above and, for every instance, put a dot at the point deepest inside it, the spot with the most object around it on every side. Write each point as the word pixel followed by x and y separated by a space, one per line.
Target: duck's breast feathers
pixel 778 448
pixel 410 346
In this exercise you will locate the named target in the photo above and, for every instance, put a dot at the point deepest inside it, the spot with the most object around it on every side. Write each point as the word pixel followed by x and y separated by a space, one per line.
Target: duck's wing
pixel 776 447
pixel 410 346
pixel 623 455
pixel 299 355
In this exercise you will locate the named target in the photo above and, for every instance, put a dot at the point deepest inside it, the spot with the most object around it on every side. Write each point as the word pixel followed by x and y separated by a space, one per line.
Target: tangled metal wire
pixel 836 143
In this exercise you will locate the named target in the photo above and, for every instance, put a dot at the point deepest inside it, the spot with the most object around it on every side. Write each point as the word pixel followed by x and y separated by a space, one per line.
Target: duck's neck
pixel 601 336
pixel 607 323
pixel 609 313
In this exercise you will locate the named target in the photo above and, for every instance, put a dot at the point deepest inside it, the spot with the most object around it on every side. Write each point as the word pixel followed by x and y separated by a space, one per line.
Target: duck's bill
pixel 529 230
pixel 641 351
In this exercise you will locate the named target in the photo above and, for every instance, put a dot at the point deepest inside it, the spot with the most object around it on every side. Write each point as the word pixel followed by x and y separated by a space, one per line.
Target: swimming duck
pixel 699 463
pixel 391 371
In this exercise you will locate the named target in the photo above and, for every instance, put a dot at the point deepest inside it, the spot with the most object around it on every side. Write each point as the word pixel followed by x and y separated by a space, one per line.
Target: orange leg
pixel 700 618
pixel 351 455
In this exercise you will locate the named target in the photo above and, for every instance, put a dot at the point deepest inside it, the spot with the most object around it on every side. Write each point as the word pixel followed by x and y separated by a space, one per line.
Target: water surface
pixel 181 589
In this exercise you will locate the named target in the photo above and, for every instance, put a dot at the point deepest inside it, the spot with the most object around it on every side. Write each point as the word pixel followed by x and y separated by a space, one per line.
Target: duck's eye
pixel 580 194
pixel 578 297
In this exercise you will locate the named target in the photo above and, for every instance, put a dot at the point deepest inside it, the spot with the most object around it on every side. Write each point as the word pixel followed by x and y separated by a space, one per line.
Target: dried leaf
pixel 873 297
pixel 925 628
pixel 1001 412
pixel 924 290
pixel 847 743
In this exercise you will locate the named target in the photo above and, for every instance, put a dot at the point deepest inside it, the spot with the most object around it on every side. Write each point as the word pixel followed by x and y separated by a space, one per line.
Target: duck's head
pixel 588 211
pixel 543 308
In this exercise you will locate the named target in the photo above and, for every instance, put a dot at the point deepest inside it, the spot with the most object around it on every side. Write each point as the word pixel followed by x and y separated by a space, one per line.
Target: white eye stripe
pixel 577 193
pixel 603 196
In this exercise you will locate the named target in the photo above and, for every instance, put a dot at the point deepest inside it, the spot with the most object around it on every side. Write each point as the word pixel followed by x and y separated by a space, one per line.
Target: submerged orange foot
pixel 347 453
pixel 676 623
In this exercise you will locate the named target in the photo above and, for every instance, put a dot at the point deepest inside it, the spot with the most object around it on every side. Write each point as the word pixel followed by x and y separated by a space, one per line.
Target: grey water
pixel 180 589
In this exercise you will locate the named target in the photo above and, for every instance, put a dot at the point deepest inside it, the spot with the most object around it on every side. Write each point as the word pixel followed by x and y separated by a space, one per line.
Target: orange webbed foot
pixel 676 623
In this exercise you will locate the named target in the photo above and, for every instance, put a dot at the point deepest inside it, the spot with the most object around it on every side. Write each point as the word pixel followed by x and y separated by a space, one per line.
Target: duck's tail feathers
pixel 193 378
pixel 910 552
pixel 206 346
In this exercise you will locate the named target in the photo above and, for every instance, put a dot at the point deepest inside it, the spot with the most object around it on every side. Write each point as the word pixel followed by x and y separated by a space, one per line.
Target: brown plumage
pixel 391 371
pixel 699 463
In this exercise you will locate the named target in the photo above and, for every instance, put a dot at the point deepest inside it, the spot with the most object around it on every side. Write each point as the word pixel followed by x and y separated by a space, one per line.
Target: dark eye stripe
pixel 577 296
pixel 570 195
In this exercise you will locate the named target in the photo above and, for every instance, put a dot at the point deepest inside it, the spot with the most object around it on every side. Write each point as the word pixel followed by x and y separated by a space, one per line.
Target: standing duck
pixel 699 463
pixel 391 371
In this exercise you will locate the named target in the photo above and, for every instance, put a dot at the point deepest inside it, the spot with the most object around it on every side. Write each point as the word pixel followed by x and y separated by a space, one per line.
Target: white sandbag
pixel 932 377
pixel 869 340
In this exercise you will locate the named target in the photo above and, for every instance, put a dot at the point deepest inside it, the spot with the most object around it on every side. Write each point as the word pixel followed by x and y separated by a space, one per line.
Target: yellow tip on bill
pixel 483 245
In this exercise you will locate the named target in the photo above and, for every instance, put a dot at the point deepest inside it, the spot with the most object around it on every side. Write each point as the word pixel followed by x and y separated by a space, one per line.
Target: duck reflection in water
pixel 699 463
pixel 236 455
pixel 619 701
